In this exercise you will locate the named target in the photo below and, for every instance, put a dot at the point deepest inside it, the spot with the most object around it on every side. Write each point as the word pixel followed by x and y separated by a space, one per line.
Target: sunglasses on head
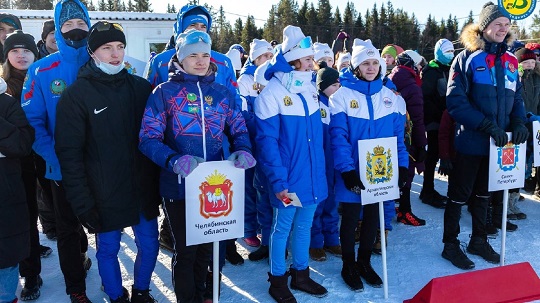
pixel 303 44
pixel 105 26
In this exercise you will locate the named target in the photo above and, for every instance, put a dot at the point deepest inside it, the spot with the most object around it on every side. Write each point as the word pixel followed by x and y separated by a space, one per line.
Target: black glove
pixel 498 134
pixel 445 167
pixel 403 176
pixel 352 181
pixel 519 131
pixel 91 220
pixel 418 153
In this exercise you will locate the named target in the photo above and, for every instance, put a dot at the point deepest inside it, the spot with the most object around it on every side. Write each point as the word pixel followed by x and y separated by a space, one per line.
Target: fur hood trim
pixel 471 38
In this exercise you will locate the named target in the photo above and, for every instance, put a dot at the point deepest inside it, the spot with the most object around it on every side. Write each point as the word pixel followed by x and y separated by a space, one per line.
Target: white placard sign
pixel 506 165
pixel 214 203
pixel 536 142
pixel 379 170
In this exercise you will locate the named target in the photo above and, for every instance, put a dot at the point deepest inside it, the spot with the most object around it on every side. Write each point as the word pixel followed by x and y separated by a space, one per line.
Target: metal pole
pixel 503 225
pixel 383 249
pixel 215 272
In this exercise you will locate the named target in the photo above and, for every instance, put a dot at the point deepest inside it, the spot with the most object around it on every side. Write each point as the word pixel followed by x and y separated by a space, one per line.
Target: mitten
pixel 242 159
pixel 519 131
pixel 445 167
pixel 186 164
pixel 498 134
pixel 352 181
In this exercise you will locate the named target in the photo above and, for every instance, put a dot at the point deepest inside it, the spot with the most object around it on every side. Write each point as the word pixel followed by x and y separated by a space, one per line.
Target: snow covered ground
pixel 413 258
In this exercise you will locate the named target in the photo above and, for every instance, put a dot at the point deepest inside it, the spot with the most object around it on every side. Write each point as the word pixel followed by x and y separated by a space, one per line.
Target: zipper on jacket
pixel 203 126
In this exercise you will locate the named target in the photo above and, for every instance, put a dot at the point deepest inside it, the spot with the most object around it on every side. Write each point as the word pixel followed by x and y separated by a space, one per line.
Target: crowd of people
pixel 89 148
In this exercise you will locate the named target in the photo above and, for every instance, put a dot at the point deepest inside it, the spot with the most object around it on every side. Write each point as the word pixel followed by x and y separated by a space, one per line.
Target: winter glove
pixel 445 167
pixel 186 164
pixel 519 131
pixel 403 176
pixel 498 134
pixel 352 181
pixel 91 220
pixel 418 153
pixel 242 159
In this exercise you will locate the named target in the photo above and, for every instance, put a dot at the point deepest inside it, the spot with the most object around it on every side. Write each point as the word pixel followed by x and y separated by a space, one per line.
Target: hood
pixel 535 70
pixel 63 48
pixel 249 68
pixel 349 80
pixel 471 38
pixel 403 76
pixel 180 17
pixel 277 64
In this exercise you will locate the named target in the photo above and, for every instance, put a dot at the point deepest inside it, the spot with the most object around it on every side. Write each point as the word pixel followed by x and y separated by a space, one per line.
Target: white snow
pixel 413 256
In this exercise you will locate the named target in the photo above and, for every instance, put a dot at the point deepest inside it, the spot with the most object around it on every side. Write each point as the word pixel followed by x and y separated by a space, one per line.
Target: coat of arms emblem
pixel 216 196
pixel 379 168
pixel 507 157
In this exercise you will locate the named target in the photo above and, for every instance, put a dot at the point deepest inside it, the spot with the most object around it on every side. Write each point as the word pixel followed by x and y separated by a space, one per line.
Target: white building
pixel 145 32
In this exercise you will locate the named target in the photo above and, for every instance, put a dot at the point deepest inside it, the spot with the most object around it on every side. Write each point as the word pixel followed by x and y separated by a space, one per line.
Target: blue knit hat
pixel 71 10
pixel 195 15
pixel 192 42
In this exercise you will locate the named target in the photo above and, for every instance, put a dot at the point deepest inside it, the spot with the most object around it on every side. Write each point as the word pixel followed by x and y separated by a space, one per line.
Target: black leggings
pixel 349 221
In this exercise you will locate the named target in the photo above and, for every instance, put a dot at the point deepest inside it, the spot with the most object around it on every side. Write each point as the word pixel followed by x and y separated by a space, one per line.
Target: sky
pixel 259 9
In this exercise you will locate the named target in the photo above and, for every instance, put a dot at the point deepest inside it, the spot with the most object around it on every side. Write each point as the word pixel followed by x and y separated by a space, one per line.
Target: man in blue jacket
pixel 45 82
pixel 484 99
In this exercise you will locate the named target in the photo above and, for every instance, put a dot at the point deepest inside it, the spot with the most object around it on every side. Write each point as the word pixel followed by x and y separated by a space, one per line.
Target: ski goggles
pixel 103 26
pixel 194 37
pixel 303 44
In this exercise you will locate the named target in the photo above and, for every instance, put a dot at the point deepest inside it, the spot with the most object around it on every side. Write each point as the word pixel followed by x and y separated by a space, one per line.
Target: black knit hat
pixel 48 26
pixel 326 76
pixel 19 39
pixel 11 20
pixel 490 12
pixel 104 32
pixel 525 54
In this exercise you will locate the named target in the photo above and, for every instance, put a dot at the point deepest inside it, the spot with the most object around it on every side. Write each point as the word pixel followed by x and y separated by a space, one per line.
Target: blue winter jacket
pixel 248 93
pixel 363 110
pixel 290 136
pixel 172 125
pixel 45 81
pixel 328 155
pixel 159 65
pixel 483 84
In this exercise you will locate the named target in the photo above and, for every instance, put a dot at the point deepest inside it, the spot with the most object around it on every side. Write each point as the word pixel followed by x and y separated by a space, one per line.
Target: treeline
pixel 98 5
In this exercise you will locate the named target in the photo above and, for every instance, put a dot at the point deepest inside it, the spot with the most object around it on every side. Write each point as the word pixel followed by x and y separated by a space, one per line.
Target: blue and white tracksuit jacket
pixel 363 110
pixel 45 81
pixel 172 125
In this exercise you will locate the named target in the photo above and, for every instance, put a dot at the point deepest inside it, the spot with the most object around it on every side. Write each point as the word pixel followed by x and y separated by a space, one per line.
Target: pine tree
pixel 349 16
pixel 102 5
pixel 469 20
pixel 90 5
pixel 302 19
pixel 270 27
pixel 237 31
pixel 312 22
pixel 359 28
pixel 286 14
pixel 337 24
pixel 5 4
pixel 33 4
pixel 142 6
pixel 535 28
pixel 324 16
pixel 430 35
pixel 249 32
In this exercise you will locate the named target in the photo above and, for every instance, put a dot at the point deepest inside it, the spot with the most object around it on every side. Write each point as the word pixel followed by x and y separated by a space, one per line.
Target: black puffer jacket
pixel 96 139
pixel 16 138
pixel 434 83
pixel 531 89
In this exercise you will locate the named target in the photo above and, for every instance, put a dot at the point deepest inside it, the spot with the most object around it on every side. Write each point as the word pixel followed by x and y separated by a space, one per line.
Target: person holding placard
pixel 290 148
pixel 171 135
pixel 362 109
pixel 484 99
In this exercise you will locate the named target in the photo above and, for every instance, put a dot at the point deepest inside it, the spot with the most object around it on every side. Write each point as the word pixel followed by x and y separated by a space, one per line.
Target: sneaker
pixel 510 227
pixel 335 250
pixel 122 299
pixel 141 296
pixel 491 231
pixel 433 198
pixel 317 254
pixel 409 218
pixel 481 247
pixel 453 253
pixel 513 207
pixel 232 255
pixel 253 241
pixel 31 288
pixel 260 254
pixel 79 297
pixel 351 277
pixel 44 251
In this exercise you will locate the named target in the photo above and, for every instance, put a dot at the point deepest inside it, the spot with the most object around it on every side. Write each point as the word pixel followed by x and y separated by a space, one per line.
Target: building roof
pixel 96 15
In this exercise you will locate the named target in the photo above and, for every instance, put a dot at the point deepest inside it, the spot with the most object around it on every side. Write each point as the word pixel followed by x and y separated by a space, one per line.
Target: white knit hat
pixel 343 57
pixel 322 50
pixel 234 56
pixel 414 56
pixel 259 73
pixel 258 47
pixel 295 44
pixel 363 50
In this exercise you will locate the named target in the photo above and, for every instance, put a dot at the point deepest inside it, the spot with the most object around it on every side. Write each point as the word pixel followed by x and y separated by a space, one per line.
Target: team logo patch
pixel 379 168
pixel 354 104
pixel 58 86
pixel 209 100
pixel 517 9
pixel 370 53
pixel 216 196
pixel 315 98
pixel 507 157
pixel 191 97
pixel 481 68
pixel 254 86
pixel 387 102
pixel 511 67
pixel 287 101
pixel 323 113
